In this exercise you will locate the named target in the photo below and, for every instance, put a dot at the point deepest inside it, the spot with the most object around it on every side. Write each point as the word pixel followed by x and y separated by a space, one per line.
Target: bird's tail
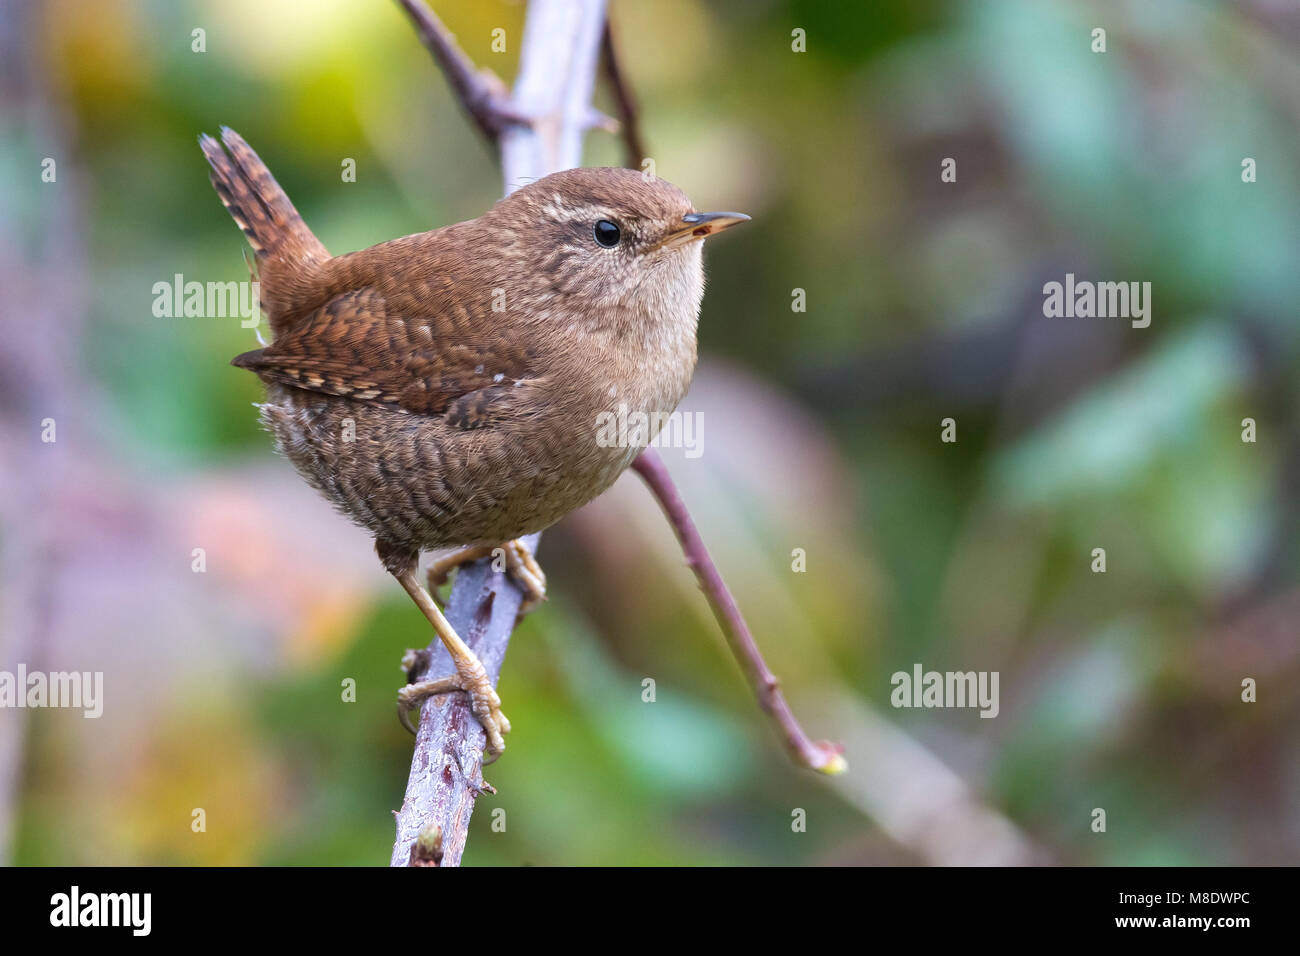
pixel 263 211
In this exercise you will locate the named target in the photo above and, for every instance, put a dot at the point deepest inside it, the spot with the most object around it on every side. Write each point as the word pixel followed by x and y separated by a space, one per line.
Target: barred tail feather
pixel 262 209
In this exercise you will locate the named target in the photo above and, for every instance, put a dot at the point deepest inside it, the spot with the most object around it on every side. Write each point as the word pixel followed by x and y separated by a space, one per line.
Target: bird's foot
pixel 440 568
pixel 528 574
pixel 516 560
pixel 471 678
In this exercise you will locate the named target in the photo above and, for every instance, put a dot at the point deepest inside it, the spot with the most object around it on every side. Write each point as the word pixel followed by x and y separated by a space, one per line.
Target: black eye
pixel 607 233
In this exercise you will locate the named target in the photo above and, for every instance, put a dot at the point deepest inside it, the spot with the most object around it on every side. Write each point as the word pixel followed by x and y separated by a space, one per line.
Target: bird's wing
pixel 354 346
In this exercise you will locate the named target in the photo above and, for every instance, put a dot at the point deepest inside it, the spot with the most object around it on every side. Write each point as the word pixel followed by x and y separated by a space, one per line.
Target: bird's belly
pixel 416 481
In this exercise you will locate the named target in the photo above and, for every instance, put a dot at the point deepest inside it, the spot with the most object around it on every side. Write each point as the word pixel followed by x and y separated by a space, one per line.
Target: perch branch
pixel 822 756
pixel 556 75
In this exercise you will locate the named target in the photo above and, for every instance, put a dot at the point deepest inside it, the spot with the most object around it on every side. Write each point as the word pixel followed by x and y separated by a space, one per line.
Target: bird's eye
pixel 607 233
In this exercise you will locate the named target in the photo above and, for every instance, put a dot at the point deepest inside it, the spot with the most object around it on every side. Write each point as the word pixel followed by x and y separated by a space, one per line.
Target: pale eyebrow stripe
pixel 565 213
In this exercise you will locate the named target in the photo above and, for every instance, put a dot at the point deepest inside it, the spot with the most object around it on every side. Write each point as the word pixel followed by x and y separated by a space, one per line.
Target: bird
pixel 444 389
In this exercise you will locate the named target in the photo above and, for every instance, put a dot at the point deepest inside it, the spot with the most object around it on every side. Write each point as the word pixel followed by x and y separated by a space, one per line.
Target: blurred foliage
pixel 924 301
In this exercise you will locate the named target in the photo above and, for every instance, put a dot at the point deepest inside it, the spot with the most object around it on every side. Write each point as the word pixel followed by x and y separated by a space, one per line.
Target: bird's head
pixel 612 241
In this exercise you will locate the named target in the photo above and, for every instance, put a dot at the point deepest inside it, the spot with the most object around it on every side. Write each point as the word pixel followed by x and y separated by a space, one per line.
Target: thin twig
pixel 480 91
pixel 629 115
pixel 556 75
pixel 824 757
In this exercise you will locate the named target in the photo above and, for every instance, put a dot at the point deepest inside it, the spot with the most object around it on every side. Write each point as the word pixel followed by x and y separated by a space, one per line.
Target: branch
pixel 824 757
pixel 557 71
pixel 628 113
pixel 481 92
pixel 447 765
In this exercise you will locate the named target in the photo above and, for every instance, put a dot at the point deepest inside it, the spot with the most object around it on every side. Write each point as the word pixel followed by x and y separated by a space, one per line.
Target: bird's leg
pixel 470 675
pixel 519 564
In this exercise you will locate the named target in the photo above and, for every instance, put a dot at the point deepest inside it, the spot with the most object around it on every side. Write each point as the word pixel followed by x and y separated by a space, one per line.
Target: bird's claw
pixel 484 703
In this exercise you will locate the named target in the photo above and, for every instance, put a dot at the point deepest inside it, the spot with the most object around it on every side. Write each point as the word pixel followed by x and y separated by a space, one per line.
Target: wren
pixel 444 389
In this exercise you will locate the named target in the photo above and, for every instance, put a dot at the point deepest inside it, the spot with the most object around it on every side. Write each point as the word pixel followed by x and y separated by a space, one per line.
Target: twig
pixel 447 764
pixel 556 75
pixel 824 757
pixel 628 113
pixel 480 91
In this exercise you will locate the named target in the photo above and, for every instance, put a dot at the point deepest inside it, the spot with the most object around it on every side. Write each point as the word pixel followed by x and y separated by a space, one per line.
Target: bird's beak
pixel 697 225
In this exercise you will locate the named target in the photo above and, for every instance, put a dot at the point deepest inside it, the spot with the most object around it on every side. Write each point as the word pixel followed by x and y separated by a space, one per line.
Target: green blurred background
pixel 1119 691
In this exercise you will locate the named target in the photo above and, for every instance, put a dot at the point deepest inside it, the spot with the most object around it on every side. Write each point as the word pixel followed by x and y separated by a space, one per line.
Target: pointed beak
pixel 697 225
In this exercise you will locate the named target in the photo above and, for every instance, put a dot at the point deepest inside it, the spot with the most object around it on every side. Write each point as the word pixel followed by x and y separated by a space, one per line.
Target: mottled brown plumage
pixel 445 388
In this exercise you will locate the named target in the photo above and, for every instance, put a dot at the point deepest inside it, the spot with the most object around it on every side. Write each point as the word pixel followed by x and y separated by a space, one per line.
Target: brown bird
pixel 445 389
